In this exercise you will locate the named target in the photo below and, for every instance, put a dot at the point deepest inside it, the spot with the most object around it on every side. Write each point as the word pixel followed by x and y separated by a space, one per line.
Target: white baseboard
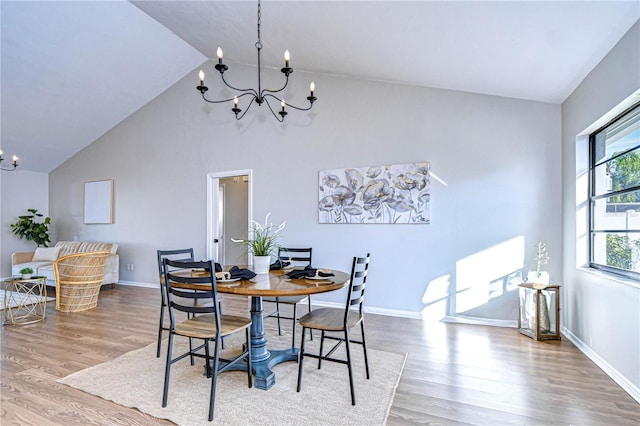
pixel 624 383
pixel 480 321
pixel 138 284
pixel 371 310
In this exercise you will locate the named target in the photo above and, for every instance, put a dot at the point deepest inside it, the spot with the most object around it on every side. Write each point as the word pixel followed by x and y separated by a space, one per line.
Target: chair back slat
pixel 185 255
pixel 357 284
pixel 185 300
pixel 297 256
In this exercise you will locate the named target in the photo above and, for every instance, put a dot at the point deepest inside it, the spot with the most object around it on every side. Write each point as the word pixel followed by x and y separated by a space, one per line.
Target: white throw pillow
pixel 46 254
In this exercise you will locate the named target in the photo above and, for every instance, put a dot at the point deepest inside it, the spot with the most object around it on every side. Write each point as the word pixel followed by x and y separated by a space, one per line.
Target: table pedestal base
pixel 262 360
pixel 264 378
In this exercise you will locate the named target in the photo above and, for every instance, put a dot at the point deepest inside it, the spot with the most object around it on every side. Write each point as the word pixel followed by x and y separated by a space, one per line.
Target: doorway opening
pixel 229 213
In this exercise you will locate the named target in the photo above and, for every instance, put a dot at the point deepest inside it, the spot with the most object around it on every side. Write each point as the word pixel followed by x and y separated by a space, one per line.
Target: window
pixel 615 195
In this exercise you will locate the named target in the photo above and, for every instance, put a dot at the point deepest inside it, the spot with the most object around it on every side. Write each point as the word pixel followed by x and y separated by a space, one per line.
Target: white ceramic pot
pixel 261 264
pixel 532 277
pixel 26 276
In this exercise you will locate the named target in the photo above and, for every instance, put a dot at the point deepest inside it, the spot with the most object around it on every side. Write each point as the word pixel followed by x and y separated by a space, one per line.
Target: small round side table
pixel 25 300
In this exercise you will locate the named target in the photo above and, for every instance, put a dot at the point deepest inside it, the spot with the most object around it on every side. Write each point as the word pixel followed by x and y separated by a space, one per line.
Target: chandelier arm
pixel 228 100
pixel 287 103
pixel 239 117
pixel 251 91
pixel 286 82
pixel 280 119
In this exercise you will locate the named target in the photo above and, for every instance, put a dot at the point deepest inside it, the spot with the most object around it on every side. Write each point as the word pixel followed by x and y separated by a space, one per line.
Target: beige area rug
pixel 136 379
pixel 17 298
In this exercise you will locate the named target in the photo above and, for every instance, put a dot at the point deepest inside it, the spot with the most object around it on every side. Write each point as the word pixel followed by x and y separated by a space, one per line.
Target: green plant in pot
pixel 542 258
pixel 26 273
pixel 31 228
pixel 262 244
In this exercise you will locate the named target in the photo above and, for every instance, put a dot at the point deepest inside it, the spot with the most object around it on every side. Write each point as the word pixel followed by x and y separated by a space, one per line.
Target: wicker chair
pixel 78 280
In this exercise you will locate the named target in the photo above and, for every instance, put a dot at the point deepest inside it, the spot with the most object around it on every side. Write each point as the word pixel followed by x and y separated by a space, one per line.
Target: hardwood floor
pixel 455 373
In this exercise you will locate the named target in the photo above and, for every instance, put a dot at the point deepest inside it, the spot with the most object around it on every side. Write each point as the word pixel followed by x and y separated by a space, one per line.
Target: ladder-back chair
pixel 205 323
pixel 334 320
pixel 295 257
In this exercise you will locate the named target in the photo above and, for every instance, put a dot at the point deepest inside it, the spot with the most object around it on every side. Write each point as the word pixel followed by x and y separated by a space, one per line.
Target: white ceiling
pixel 73 70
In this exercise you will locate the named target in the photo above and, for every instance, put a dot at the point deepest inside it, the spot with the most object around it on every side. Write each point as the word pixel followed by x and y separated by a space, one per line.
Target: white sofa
pixel 41 260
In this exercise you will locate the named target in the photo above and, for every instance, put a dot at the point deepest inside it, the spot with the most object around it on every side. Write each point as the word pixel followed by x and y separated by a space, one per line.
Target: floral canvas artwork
pixel 398 193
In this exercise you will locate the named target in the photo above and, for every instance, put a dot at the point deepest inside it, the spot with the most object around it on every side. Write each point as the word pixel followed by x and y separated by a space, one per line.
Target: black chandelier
pixel 15 163
pixel 260 95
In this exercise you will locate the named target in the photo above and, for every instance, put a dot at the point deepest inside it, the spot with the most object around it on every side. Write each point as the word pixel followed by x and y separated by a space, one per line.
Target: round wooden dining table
pixel 274 284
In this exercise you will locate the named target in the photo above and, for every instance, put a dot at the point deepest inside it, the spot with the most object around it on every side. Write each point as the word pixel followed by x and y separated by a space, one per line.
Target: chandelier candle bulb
pixel 201 76
pixel 235 102
pixel 282 104
pixel 312 87
pixel 220 54
pixel 287 56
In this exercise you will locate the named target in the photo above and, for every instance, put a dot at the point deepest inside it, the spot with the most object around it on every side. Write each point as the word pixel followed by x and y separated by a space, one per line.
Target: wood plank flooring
pixel 455 373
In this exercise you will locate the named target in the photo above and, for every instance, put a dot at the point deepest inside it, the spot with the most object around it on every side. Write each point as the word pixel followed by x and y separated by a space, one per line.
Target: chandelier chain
pixel 259 42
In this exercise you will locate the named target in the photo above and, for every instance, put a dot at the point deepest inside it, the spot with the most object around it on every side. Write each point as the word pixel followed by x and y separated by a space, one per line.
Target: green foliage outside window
pixel 625 173
pixel 622 252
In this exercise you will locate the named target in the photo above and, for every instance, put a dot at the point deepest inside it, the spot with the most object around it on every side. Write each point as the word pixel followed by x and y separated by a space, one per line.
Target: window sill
pixel 611 277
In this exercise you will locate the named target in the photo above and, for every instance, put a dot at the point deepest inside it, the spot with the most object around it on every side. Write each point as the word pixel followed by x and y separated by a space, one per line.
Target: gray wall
pixel 601 314
pixel 495 192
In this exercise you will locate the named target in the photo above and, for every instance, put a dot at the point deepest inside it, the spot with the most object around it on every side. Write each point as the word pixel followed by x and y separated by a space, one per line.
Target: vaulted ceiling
pixel 70 71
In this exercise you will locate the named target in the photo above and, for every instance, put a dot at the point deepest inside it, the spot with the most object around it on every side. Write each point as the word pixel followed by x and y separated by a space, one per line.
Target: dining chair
pixel 335 320
pixel 185 255
pixel 209 325
pixel 295 257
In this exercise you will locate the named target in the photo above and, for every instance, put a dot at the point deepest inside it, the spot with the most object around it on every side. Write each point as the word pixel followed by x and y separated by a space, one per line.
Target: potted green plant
pixel 542 258
pixel 26 273
pixel 262 243
pixel 29 228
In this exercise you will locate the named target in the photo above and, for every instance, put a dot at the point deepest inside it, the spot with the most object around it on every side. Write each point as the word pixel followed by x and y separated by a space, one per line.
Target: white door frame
pixel 213 181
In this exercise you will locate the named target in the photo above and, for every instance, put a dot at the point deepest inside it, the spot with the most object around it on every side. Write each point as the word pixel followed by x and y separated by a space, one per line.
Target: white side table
pixel 29 297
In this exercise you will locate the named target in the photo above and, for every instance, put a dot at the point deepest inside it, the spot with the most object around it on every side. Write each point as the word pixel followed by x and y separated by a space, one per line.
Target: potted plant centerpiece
pixel 26 273
pixel 542 258
pixel 262 243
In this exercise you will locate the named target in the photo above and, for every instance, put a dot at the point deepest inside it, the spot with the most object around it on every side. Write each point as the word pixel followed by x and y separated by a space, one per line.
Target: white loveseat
pixel 41 260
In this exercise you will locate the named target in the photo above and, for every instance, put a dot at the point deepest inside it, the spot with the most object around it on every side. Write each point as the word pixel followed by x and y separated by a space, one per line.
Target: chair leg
pixel 278 317
pixel 321 346
pixel 167 371
pixel 300 360
pixel 207 357
pixel 220 312
pixel 191 350
pixel 346 340
pixel 364 347
pixel 214 379
pixel 160 329
pixel 309 308
pixel 295 319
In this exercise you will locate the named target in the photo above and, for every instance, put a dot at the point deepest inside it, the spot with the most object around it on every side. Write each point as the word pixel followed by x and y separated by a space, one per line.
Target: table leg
pixel 261 358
